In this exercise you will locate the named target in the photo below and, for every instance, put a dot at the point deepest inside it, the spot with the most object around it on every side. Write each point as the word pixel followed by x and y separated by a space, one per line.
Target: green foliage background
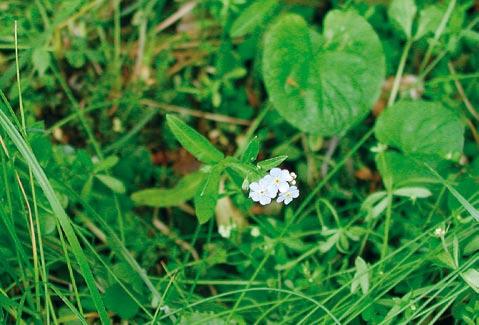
pixel 130 130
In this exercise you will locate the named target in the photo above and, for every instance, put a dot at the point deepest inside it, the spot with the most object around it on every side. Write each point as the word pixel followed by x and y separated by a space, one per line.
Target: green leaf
pixel 207 196
pixel 252 17
pixel 162 197
pixel 465 203
pixel 419 127
pixel 468 188
pixel 251 152
pixel 76 58
pixel 119 302
pixel 413 192
pixel 193 141
pixel 112 183
pixel 361 277
pixel 106 164
pixel 471 277
pixel 402 13
pixel 41 60
pixel 429 20
pixel 472 245
pixel 403 171
pixel 471 38
pixel 323 84
pixel 271 163
pixel 245 170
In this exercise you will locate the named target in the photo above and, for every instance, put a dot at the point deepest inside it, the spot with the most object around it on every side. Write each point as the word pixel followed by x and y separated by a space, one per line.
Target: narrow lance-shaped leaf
pixel 244 169
pixel 167 197
pixel 112 183
pixel 271 163
pixel 207 195
pixel 252 17
pixel 251 151
pixel 193 141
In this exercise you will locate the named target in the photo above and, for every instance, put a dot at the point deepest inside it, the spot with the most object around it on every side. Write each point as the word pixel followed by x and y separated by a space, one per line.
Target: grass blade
pixel 58 210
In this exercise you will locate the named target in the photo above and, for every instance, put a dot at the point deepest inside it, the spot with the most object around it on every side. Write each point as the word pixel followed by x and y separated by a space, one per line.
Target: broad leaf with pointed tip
pixel 420 127
pixel 323 84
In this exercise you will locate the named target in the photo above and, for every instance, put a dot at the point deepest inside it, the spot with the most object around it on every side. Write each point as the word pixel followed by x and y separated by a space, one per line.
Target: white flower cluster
pixel 277 181
pixel 225 230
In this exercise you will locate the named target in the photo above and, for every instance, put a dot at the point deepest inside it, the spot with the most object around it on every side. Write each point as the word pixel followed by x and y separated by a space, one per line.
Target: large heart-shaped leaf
pixel 323 84
pixel 420 127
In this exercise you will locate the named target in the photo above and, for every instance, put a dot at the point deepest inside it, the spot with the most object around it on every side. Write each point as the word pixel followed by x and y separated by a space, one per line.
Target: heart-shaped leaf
pixel 323 84
pixel 419 127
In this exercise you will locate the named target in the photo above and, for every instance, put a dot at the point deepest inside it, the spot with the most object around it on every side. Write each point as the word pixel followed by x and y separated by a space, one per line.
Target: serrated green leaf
pixel 163 197
pixel 323 85
pixel 271 163
pixel 420 127
pixel 402 13
pixel 252 17
pixel 193 141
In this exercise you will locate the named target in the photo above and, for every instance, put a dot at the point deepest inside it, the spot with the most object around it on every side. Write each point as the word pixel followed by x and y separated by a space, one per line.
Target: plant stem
pixel 399 73
pixel 387 224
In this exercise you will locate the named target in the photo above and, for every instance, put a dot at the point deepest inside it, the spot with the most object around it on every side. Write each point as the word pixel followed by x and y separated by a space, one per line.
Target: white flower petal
pixel 254 186
pixel 271 191
pixel 275 172
pixel 255 196
pixel 265 181
pixel 283 187
pixel 265 200
pixel 286 176
pixel 288 200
